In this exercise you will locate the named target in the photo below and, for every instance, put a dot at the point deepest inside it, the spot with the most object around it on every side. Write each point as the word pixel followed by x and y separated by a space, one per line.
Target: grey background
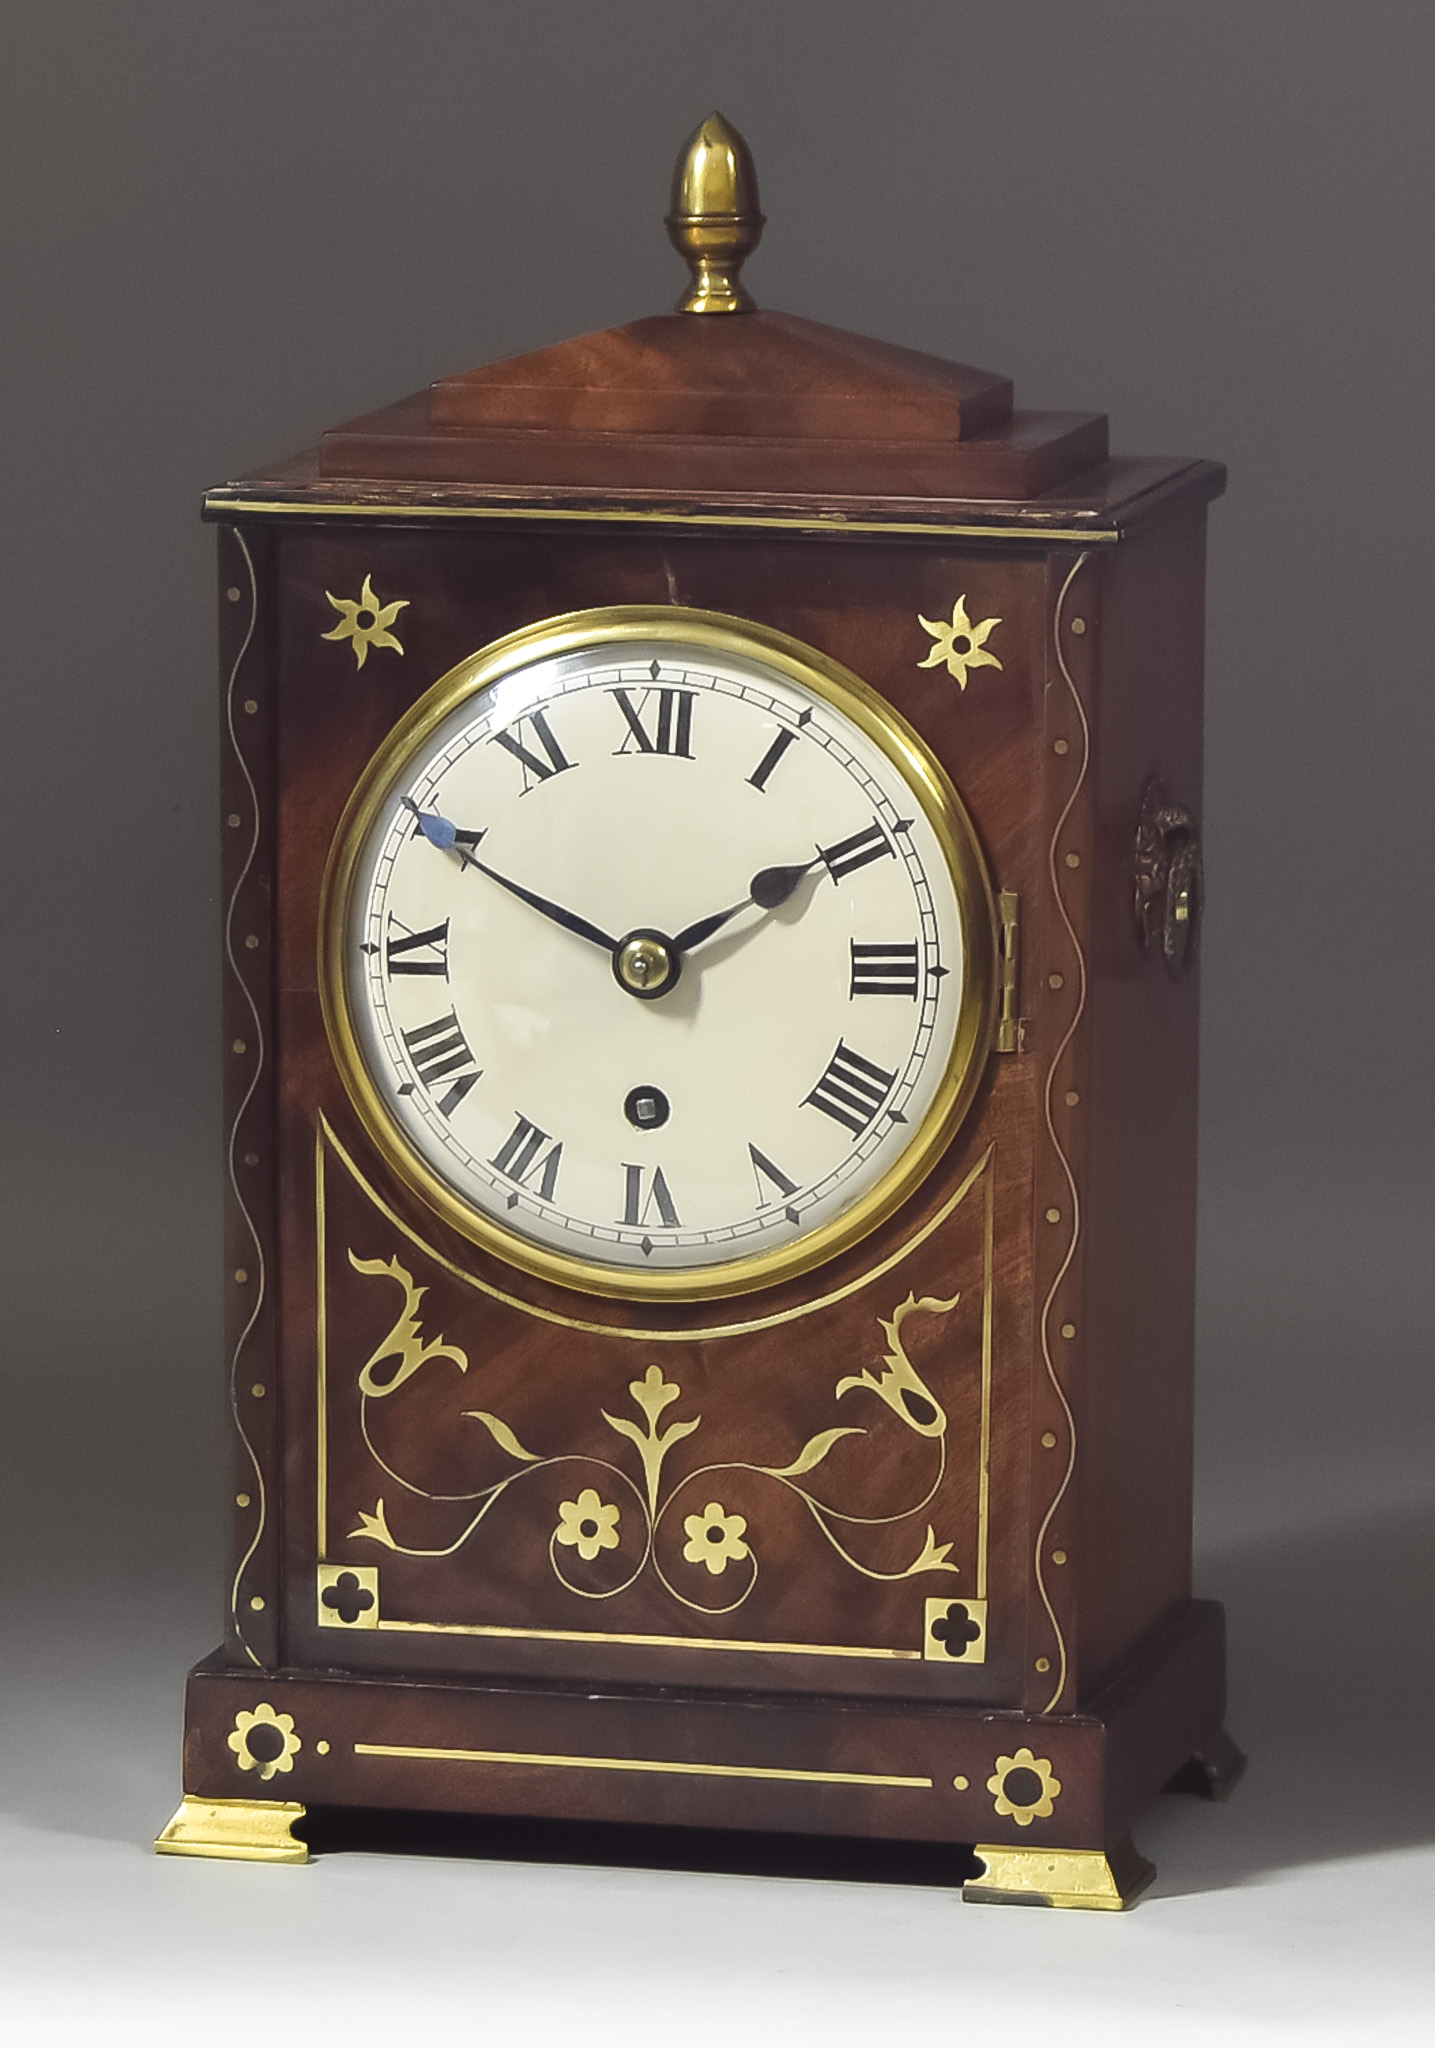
pixel 226 226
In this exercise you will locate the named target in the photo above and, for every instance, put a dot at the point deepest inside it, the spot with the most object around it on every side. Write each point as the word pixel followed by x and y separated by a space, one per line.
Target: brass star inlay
pixel 961 645
pixel 365 622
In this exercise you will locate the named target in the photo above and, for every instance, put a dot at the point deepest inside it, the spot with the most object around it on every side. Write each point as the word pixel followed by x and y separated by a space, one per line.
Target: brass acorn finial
pixel 715 222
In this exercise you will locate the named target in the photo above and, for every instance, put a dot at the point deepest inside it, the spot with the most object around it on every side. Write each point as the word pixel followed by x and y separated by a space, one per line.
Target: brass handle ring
pixel 1170 883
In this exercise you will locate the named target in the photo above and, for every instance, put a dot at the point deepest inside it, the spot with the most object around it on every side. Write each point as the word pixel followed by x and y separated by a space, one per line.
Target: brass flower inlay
pixel 366 622
pixel 961 645
pixel 264 1741
pixel 1023 1788
pixel 715 1538
pixel 588 1524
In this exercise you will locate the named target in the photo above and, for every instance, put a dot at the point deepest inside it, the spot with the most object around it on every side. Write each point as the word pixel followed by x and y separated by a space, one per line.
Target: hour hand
pixel 768 889
pixel 441 832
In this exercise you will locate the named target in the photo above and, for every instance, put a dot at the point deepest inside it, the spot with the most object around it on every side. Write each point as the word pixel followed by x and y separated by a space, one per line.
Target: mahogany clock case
pixel 987 1572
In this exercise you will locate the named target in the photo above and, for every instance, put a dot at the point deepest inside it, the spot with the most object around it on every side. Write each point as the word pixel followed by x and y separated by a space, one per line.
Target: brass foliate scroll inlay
pixel 715 221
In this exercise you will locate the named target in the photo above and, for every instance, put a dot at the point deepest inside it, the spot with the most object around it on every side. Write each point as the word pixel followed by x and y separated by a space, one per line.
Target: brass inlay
pixel 955 1632
pixel 961 646
pixel 579 1635
pixel 248 1830
pixel 1023 1787
pixel 364 622
pixel 640 1764
pixel 832 522
pixel 714 221
pixel 1078 1009
pixel 652 1443
pixel 1009 972
pixel 715 634
pixel 1079 1878
pixel 240 1046
pixel 347 1596
pixel 590 1525
pixel 264 1741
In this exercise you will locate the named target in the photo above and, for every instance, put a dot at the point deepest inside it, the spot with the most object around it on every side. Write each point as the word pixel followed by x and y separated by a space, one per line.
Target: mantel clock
pixel 713 889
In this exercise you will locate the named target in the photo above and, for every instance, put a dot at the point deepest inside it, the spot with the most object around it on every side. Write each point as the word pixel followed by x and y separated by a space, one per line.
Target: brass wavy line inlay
pixel 257 1027
pixel 1054 875
pixel 684 1336
pixel 634 1763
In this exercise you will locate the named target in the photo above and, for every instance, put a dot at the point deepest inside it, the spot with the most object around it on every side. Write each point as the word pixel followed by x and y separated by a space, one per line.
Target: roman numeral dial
pixel 708 820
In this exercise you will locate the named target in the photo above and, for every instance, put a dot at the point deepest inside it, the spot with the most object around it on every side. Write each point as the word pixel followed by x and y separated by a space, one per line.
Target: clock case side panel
pixel 1141 660
pixel 251 1297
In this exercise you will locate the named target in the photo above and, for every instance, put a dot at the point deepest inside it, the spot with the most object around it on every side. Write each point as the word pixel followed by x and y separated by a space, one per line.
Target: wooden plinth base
pixel 1048 1800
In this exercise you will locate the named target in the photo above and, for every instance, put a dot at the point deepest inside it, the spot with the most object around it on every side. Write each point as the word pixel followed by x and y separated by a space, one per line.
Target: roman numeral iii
pixel 668 729
pixel 537 767
pixel 851 1090
pixel 884 970
pixel 439 1050
pixel 416 952
pixel 518 1158
pixel 850 854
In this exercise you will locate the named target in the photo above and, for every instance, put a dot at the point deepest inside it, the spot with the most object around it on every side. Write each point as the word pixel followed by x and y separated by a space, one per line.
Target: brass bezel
pixel 717 633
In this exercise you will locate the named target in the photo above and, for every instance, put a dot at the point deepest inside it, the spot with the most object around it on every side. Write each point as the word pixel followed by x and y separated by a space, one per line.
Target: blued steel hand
pixel 768 889
pixel 442 833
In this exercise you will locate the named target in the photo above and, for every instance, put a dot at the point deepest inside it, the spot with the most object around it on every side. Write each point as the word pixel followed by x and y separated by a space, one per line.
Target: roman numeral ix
pixel 439 1050
pixel 518 1158
pixel 884 970
pixel 429 949
pixel 536 768
pixel 850 854
pixel 671 731
pixel 851 1090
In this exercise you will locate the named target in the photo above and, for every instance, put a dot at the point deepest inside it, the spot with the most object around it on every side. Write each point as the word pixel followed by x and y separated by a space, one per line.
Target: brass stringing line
pixel 1075 1199
pixel 243 876
pixel 984 1470
pixel 489 1497
pixel 1089 536
pixel 321 1350
pixel 548 1315
pixel 633 1763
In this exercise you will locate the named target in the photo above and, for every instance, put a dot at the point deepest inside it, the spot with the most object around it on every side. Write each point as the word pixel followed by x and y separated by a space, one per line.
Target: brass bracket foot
pixel 1059 1877
pixel 253 1830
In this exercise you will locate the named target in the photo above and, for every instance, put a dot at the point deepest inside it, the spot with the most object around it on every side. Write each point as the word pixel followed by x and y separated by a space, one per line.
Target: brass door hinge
pixel 1009 985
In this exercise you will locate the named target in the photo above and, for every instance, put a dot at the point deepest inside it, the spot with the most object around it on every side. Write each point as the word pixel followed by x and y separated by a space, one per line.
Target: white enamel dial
pixel 561 1010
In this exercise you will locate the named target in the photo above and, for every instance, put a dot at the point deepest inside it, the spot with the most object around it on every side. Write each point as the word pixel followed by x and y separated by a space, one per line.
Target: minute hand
pixel 768 889
pixel 443 833
pixel 569 919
